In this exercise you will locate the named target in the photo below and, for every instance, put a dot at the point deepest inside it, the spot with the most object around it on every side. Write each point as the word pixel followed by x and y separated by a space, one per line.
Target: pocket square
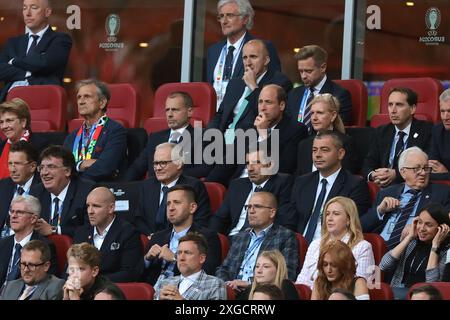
pixel 115 246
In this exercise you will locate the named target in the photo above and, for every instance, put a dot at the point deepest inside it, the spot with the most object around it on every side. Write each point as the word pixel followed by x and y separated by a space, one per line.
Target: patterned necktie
pixel 175 137
pixel 33 43
pixel 20 190
pixel 228 64
pixel 161 216
pixel 15 271
pixel 27 292
pixel 54 222
pixel 316 213
pixel 398 148
pixel 405 213
pixel 307 112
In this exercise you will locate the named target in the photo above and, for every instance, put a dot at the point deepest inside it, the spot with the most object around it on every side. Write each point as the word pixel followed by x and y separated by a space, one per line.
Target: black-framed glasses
pixel 161 164
pixel 19 212
pixel 257 207
pixel 31 266
pixel 228 16
pixel 49 167
pixel 416 170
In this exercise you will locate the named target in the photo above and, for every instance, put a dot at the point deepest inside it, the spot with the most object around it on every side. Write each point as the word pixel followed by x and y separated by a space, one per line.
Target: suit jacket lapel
pixel 110 236
pixel 337 185
pixel 424 199
pixel 68 201
pixel 413 134
pixel 46 206
pixel 46 37
pixel 388 143
pixel 311 188
pixel 23 44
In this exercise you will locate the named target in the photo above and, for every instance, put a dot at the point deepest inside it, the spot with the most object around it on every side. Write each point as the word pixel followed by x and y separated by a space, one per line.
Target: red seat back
pixel 382 293
pixel 304 292
pixel 302 248
pixel 379 247
pixel 224 245
pixel 373 190
pixel 358 91
pixel 144 242
pixel 443 287
pixel 427 89
pixel 136 290
pixel 48 106
pixel 202 93
pixel 216 194
pixel 62 244
pixel 123 106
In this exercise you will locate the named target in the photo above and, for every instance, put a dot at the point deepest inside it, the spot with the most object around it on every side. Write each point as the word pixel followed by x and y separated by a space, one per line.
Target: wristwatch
pixel 174 257
pixel 434 249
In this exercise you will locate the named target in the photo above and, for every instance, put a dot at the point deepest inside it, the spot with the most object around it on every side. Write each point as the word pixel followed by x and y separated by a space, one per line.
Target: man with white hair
pixel 440 141
pixel 223 59
pixel 24 214
pixel 396 206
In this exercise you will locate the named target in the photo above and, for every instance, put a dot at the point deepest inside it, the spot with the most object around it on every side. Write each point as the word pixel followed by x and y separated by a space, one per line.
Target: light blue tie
pixel 229 133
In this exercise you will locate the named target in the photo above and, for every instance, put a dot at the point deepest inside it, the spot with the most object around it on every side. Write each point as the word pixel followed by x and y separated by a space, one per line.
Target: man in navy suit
pixel 24 214
pixel 62 194
pixel 100 144
pixel 224 58
pixel 440 143
pixel 168 167
pixel 231 217
pixel 178 113
pixel 117 240
pixel 311 191
pixel 381 163
pixel 22 162
pixel 160 257
pixel 38 57
pixel 415 193
pixel 312 66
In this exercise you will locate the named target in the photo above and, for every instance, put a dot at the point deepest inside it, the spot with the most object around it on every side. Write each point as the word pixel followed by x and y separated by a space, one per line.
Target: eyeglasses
pixel 49 167
pixel 30 266
pixel 228 16
pixel 416 170
pixel 8 121
pixel 162 164
pixel 257 207
pixel 18 164
pixel 19 212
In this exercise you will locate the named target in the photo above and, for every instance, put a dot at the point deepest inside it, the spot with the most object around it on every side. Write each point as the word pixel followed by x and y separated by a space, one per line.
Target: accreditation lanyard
pixel 303 105
pixel 83 146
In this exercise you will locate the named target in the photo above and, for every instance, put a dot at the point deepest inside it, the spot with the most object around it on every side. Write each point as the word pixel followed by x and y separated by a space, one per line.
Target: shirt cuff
pixel 78 165
pixel 28 74
pixel 11 61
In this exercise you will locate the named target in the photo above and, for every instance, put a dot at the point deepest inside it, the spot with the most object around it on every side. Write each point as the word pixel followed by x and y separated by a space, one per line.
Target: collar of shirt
pixel 26 187
pixel 24 241
pixel 40 33
pixel 61 196
pixel 192 278
pixel 179 130
pixel 406 189
pixel 105 232
pixel 258 80
pixel 175 237
pixel 331 178
pixel 261 185
pixel 237 44
pixel 319 86
pixel 406 130
pixel 170 185
pixel 263 233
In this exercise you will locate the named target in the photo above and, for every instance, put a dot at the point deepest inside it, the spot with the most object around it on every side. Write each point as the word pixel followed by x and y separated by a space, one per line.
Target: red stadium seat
pixel 216 194
pixel 230 293
pixel 137 290
pixel 48 106
pixel 383 293
pixel 379 247
pixel 443 287
pixel 202 93
pixel 427 89
pixel 224 245
pixel 445 182
pixel 144 242
pixel 358 91
pixel 302 248
pixel 304 292
pixel 62 243
pixel 373 190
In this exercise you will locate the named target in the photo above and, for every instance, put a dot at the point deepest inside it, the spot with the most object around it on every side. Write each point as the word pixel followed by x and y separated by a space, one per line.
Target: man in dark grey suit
pixel 36 283
pixel 38 57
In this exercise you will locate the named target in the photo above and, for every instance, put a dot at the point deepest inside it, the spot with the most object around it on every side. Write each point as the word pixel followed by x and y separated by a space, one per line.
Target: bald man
pixel 37 57
pixel 117 240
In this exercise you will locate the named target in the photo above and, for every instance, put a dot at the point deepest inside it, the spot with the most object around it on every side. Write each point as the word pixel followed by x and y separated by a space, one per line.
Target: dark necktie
pixel 405 212
pixel 161 215
pixel 398 148
pixel 228 64
pixel 245 226
pixel 316 213
pixel 20 190
pixel 175 137
pixel 33 44
pixel 15 271
pixel 55 219
pixel 307 112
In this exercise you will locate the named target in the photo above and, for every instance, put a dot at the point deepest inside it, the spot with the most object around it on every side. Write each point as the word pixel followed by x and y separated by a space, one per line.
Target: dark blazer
pixel 305 188
pixel 440 150
pixel 432 193
pixel 304 155
pixel 378 156
pixel 295 97
pixel 149 203
pixel 277 238
pixel 227 216
pixel 162 237
pixel 7 190
pixel 6 246
pixel 110 152
pixel 143 164
pixel 213 55
pixel 224 116
pixel 74 212
pixel 47 63
pixel 121 251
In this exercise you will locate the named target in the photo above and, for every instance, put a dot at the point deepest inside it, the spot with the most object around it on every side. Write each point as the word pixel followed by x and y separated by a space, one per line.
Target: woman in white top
pixel 340 222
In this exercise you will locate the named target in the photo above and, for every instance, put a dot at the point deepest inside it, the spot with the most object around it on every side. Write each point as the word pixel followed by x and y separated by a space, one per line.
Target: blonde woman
pixel 325 117
pixel 270 268
pixel 340 222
